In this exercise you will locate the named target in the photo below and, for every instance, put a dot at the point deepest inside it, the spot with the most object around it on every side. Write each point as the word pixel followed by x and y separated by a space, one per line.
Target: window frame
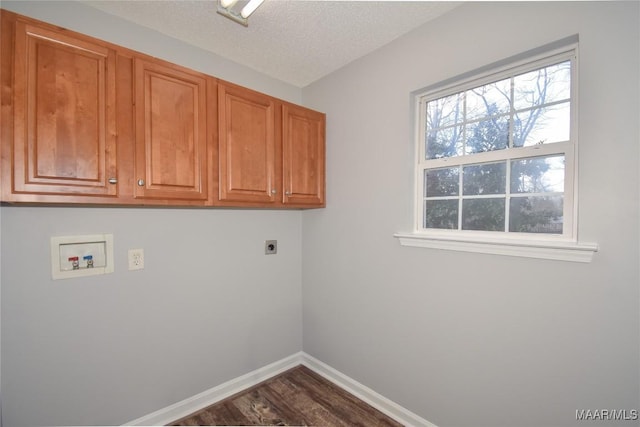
pixel 563 246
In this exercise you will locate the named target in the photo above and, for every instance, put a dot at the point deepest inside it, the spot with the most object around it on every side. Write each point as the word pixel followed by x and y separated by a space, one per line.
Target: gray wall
pixel 461 339
pixel 470 339
pixel 208 307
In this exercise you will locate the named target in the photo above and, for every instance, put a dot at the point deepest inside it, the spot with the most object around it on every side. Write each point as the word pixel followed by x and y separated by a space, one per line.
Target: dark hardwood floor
pixel 297 397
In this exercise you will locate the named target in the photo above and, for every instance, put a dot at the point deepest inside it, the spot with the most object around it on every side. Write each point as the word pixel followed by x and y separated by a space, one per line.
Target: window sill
pixel 544 249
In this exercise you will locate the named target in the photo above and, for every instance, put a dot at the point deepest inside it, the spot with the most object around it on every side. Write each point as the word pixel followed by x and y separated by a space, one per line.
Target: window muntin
pixel 498 156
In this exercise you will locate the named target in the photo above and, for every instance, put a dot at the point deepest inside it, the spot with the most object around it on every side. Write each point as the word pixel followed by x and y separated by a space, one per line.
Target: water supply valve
pixel 81 256
pixel 89 259
pixel 75 262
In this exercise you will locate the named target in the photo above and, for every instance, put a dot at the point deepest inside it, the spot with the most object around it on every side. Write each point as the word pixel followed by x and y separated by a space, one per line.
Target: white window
pixel 496 160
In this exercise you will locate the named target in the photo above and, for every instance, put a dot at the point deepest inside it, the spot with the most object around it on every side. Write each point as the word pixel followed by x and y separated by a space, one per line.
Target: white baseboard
pixel 364 393
pixel 193 404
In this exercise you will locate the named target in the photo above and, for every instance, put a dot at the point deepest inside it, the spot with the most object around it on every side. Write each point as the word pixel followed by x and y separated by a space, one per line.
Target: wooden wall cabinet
pixel 246 146
pixel 88 122
pixel 303 156
pixel 170 134
pixel 271 153
pixel 59 136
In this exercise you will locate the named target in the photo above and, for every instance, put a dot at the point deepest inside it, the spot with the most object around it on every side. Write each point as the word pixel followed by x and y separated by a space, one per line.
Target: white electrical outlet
pixel 136 259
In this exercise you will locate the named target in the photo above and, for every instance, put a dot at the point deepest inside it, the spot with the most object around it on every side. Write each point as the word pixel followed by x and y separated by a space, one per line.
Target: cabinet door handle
pixel 287 193
pixel 274 191
pixel 113 181
pixel 141 182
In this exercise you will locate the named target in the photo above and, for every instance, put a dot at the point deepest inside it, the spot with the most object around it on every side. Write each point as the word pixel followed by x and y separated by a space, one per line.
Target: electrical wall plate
pixel 136 259
pixel 81 256
pixel 270 247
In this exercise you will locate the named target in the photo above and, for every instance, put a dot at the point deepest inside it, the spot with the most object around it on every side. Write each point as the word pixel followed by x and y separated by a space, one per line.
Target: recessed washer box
pixel 81 256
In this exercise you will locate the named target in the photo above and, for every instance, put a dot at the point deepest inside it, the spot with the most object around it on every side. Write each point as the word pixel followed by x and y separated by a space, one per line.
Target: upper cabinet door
pixel 303 156
pixel 64 139
pixel 247 144
pixel 171 137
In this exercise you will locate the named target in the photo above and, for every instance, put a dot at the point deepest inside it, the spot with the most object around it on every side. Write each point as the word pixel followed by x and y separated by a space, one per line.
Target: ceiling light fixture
pixel 226 8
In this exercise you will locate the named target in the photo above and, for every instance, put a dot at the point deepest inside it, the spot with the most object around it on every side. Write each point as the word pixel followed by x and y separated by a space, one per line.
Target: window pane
pixel 487 135
pixel 538 175
pixel 542 125
pixel 496 189
pixel 483 214
pixel 441 182
pixel 444 142
pixel 441 214
pixel 538 87
pixel 489 100
pixel 536 214
pixel 445 111
pixel 487 178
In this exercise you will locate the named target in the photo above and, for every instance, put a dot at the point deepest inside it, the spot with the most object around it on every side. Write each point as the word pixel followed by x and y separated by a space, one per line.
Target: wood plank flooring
pixel 297 397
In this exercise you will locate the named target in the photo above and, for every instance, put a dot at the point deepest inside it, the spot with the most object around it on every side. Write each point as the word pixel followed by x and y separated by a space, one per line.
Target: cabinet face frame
pixel 246 146
pixel 303 156
pixel 64 139
pixel 171 136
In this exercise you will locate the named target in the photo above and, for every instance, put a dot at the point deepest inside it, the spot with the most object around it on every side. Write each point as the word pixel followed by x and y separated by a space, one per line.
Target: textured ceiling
pixel 296 41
